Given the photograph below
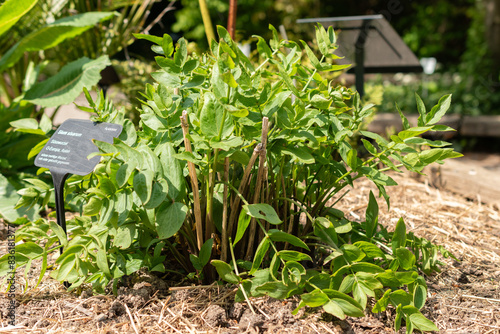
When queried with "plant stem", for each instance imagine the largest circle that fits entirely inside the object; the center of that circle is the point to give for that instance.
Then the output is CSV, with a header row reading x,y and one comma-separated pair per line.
x,y
238,274
194,181
207,22
241,189
258,184
312,75
225,239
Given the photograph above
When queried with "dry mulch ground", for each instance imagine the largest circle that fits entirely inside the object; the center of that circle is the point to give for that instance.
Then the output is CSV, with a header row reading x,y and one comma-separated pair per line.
x,y
463,298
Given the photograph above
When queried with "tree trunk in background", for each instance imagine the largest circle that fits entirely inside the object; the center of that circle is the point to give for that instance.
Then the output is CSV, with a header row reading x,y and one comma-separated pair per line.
x,y
493,38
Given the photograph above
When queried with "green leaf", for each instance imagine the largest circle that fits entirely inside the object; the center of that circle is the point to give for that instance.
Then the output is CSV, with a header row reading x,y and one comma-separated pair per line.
x,y
300,154
371,221
399,235
92,207
243,222
52,35
65,86
8,200
66,267
263,211
419,296
438,111
124,236
158,194
406,258
173,172
59,232
275,289
155,39
167,45
371,250
334,309
352,253
206,252
277,235
29,249
421,322
382,303
143,185
259,255
349,305
275,103
225,271
315,298
289,255
421,110
12,10
169,218
211,118
400,297
180,55
406,277
263,48
413,132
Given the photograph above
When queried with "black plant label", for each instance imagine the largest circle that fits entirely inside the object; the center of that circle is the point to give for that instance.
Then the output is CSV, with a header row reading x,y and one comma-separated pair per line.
x,y
68,149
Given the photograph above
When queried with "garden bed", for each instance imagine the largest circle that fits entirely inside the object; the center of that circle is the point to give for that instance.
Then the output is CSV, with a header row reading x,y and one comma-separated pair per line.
x,y
463,298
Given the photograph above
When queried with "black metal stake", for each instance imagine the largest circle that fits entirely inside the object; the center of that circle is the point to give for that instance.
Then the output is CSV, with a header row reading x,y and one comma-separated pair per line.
x,y
360,57
59,179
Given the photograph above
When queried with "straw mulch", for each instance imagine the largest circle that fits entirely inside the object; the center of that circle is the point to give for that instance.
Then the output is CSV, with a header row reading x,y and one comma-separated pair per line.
x,y
463,298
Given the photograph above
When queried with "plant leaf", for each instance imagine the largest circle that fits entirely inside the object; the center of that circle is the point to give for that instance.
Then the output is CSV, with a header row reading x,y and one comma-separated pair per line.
x,y
225,271
52,35
169,218
263,211
64,87
11,11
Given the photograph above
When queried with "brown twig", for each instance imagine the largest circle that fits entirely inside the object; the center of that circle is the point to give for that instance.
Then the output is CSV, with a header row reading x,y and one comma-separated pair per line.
x,y
258,185
194,181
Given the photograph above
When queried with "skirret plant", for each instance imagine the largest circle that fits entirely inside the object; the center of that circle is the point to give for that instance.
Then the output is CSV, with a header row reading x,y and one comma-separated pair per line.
x,y
232,168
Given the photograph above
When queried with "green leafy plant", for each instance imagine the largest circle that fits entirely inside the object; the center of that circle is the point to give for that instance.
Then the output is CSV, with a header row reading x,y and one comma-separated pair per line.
x,y
186,186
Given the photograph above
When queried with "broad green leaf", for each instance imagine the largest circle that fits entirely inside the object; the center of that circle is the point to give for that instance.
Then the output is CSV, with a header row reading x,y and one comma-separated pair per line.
x,y
66,267
382,303
167,45
413,132
173,172
8,200
158,194
27,125
320,102
143,184
400,297
299,153
169,218
399,235
406,277
263,48
334,309
406,258
277,235
123,174
349,305
52,35
92,207
371,221
263,211
406,124
212,117
275,103
65,86
206,252
289,255
275,289
154,39
59,232
124,236
419,296
421,322
225,271
243,222
12,10
359,294
315,298
259,254
352,253
29,249
370,249
438,111
180,55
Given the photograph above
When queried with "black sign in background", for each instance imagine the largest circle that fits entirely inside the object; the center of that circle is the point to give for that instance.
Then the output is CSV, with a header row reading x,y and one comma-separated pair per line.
x,y
66,153
67,150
